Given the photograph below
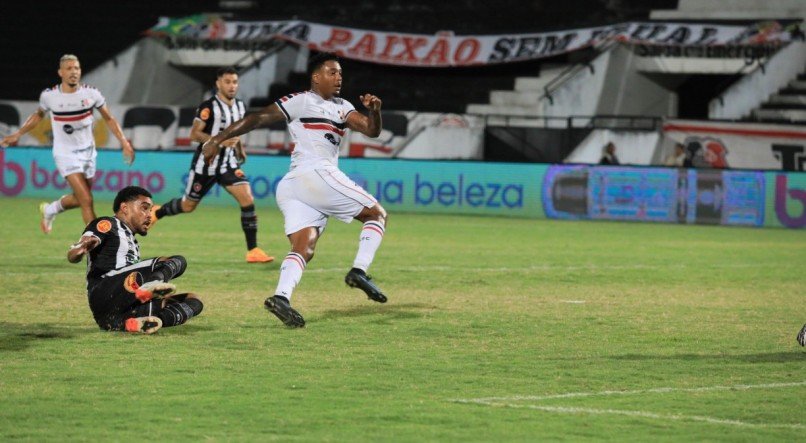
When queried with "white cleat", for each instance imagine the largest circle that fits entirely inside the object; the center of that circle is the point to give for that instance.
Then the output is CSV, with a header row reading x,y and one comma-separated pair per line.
x,y
47,221
154,289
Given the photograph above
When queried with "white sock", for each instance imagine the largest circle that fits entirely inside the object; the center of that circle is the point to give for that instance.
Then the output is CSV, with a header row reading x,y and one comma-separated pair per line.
x,y
54,207
290,274
368,243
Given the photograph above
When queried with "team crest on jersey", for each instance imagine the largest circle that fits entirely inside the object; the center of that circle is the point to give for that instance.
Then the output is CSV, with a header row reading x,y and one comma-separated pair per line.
x,y
205,113
132,282
197,187
238,173
104,226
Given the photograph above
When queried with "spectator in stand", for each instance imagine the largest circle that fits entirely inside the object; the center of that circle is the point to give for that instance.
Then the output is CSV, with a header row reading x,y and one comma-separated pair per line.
x,y
678,157
609,155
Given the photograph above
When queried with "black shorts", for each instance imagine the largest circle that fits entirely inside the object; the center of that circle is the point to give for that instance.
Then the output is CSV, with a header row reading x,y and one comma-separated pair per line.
x,y
112,299
199,184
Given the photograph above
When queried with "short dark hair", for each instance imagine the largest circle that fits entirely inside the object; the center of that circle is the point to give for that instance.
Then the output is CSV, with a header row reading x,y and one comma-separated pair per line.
x,y
316,62
225,70
127,194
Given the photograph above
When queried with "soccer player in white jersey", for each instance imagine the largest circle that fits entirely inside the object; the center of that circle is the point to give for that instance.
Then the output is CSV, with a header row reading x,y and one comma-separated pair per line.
x,y
314,188
70,104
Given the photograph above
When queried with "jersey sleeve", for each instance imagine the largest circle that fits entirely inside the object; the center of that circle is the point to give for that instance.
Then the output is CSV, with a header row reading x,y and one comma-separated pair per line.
x,y
292,105
205,112
346,109
43,102
99,228
98,98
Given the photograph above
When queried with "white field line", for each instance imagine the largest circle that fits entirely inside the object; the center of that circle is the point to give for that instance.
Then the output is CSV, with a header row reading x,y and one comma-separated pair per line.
x,y
646,414
505,402
591,267
633,392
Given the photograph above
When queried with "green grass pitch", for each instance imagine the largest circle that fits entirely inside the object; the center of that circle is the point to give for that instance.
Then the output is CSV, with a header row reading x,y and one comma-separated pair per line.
x,y
496,330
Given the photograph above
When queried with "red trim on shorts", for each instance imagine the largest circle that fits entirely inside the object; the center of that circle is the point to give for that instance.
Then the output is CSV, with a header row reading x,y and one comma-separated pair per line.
x,y
359,190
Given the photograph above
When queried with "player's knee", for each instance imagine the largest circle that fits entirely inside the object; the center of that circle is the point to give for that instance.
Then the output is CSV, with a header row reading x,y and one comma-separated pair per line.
x,y
84,200
189,206
377,214
195,304
179,264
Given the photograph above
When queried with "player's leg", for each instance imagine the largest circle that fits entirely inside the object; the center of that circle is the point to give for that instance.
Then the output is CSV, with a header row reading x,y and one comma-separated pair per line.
x,y
170,311
115,295
802,336
346,201
374,219
303,225
197,187
81,196
156,280
238,186
303,243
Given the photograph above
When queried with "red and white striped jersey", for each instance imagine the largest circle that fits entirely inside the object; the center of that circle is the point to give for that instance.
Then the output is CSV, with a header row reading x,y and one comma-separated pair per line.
x,y
71,117
317,127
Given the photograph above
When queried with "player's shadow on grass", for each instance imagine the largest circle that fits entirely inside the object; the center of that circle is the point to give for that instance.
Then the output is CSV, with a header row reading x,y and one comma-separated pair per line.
x,y
385,313
767,357
18,337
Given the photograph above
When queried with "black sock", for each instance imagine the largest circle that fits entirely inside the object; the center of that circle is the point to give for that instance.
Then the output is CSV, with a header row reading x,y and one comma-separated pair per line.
x,y
173,207
249,225
176,313
169,269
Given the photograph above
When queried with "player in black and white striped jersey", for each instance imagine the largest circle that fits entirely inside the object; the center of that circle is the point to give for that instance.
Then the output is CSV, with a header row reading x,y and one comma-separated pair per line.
x,y
126,293
212,116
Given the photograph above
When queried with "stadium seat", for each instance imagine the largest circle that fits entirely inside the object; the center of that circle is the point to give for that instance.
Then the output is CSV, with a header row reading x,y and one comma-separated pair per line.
x,y
182,139
9,119
147,127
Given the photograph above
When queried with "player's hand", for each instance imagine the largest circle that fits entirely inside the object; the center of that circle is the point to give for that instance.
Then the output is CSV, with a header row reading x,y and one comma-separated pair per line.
x,y
128,152
9,140
240,153
231,142
371,102
86,244
210,150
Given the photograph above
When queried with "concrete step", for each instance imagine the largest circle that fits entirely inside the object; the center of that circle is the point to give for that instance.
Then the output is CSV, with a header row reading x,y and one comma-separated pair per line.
x,y
784,105
798,84
547,74
788,99
502,110
530,84
790,115
515,98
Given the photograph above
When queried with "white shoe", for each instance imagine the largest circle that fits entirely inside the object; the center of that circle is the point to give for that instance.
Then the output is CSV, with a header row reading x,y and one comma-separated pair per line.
x,y
154,289
47,220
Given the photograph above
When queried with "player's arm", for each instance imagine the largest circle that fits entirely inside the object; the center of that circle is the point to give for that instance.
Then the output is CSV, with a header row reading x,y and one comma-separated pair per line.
x,y
265,117
77,250
198,135
30,123
114,126
369,125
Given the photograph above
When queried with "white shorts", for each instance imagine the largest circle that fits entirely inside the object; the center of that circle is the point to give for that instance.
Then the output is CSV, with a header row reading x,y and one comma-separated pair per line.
x,y
72,164
308,198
